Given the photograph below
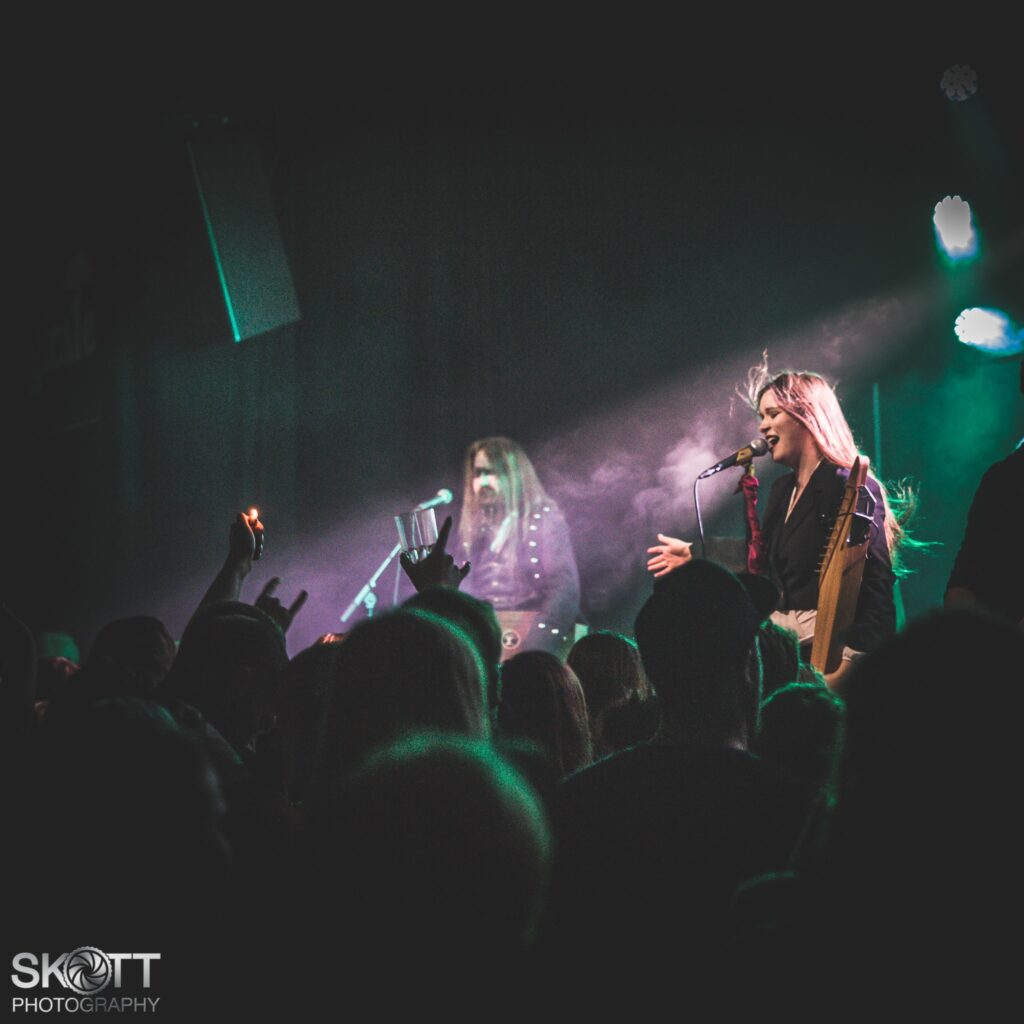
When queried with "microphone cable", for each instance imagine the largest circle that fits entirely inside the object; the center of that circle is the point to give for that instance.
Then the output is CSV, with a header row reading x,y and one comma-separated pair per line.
x,y
700,522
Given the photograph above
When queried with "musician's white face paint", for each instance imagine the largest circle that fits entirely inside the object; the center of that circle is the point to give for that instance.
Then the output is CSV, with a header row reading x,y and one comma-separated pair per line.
x,y
787,437
487,482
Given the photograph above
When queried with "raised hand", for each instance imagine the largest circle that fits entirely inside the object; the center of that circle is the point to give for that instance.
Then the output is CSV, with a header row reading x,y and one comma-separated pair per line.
x,y
245,545
669,554
438,569
272,606
257,530
245,539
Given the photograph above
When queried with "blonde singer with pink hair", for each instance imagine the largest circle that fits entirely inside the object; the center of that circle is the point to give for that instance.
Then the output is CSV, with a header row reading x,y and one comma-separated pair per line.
x,y
800,417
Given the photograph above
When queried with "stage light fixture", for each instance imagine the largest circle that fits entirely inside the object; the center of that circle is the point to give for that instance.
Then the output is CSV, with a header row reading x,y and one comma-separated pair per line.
x,y
954,229
989,330
959,82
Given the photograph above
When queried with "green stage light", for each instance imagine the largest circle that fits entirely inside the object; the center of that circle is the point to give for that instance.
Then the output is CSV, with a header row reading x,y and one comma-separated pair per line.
x,y
989,330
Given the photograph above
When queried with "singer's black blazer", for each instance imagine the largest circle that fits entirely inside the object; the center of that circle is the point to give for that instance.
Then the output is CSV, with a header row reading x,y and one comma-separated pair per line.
x,y
795,549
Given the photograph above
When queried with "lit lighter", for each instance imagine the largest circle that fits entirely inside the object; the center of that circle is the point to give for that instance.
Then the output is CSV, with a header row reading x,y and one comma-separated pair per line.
x,y
257,529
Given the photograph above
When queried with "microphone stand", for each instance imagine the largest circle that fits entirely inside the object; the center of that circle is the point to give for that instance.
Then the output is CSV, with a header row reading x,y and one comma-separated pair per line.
x,y
366,596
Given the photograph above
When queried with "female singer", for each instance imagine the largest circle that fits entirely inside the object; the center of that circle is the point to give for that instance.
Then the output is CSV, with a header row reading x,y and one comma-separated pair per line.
x,y
801,419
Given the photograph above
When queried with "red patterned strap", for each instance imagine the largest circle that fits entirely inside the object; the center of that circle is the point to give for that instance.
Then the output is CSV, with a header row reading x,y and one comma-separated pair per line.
x,y
757,556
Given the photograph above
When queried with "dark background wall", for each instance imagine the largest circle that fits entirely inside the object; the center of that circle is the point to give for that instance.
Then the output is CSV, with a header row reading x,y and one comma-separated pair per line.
x,y
587,262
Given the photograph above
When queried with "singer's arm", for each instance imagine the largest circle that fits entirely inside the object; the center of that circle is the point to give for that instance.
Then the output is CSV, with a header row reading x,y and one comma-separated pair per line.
x,y
668,554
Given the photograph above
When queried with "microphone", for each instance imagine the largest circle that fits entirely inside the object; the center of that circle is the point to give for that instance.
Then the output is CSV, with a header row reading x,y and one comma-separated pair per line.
x,y
443,497
740,457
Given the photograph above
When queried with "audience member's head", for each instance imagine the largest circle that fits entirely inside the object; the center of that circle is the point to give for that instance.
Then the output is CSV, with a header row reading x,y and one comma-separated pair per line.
x,y
56,644
228,665
478,619
780,657
437,864
407,670
542,700
695,633
763,593
129,657
801,730
305,684
53,674
610,670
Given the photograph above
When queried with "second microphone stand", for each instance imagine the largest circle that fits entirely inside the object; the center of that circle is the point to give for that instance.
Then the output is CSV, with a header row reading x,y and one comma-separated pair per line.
x,y
367,596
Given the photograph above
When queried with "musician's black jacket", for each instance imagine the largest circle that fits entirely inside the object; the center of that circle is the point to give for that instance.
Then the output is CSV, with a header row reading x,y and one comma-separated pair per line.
x,y
795,550
990,562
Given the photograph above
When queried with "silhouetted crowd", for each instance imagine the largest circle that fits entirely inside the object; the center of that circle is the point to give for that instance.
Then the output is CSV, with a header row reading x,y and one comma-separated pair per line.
x,y
686,820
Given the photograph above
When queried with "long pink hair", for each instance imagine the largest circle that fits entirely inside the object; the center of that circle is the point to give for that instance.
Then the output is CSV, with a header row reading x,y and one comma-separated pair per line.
x,y
809,398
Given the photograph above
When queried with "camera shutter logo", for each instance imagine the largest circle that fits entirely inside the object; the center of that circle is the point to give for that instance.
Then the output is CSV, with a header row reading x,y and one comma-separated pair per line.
x,y
87,970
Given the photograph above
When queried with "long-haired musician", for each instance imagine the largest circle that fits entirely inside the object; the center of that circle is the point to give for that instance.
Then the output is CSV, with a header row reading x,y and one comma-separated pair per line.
x,y
516,539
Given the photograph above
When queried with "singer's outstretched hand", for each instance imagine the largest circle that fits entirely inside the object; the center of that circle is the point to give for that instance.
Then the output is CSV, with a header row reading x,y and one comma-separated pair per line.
x,y
668,555
438,569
